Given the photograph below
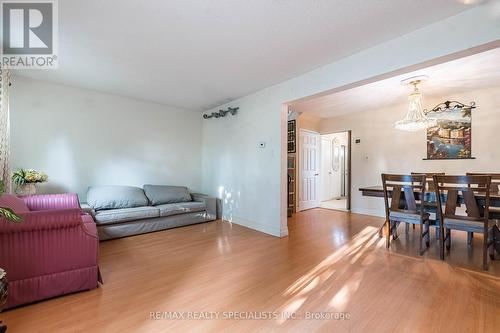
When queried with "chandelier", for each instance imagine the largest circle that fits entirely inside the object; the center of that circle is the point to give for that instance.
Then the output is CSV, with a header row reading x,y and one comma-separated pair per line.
x,y
416,118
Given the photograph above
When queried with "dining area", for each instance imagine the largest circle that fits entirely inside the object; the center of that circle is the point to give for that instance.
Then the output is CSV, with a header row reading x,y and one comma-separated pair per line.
x,y
438,208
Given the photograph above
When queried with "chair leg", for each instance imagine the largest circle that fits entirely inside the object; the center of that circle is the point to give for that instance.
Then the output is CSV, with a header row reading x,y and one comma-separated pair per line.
x,y
407,228
395,231
491,244
388,235
448,239
470,236
413,227
428,235
420,251
485,251
441,242
437,233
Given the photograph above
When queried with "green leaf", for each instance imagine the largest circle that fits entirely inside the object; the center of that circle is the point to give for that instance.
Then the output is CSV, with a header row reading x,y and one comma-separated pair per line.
x,y
10,215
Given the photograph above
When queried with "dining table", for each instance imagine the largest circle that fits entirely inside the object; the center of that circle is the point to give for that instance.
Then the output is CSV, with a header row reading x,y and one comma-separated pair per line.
x,y
430,196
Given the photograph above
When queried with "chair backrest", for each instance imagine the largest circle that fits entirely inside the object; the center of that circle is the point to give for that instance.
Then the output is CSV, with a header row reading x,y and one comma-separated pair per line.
x,y
406,185
429,179
495,180
475,191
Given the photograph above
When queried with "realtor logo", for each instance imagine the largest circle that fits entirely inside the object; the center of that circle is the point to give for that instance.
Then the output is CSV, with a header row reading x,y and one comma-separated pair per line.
x,y
29,34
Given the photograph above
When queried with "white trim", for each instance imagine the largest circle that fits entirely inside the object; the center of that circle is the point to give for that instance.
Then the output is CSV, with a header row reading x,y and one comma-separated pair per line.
x,y
308,131
298,166
267,229
284,173
370,212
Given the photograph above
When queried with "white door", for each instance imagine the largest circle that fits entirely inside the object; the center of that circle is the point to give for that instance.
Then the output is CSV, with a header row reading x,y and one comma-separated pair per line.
x,y
309,165
326,169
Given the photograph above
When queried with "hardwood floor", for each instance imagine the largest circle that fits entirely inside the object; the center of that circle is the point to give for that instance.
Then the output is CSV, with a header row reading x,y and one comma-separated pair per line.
x,y
331,262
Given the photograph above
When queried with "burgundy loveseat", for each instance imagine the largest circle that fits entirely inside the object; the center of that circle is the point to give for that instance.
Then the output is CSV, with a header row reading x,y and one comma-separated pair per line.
x,y
52,252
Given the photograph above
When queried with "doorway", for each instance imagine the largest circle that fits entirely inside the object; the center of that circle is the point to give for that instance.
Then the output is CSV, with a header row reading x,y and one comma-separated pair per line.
x,y
309,169
335,171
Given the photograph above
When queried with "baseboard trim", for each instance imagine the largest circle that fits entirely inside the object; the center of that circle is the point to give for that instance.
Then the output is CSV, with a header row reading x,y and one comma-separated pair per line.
x,y
257,226
284,232
371,212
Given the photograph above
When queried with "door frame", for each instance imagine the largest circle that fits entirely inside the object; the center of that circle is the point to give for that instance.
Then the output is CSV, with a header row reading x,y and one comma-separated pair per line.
x,y
349,168
299,169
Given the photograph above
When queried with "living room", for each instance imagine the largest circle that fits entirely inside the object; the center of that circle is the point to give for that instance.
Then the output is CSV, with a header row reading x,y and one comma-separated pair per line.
x,y
145,172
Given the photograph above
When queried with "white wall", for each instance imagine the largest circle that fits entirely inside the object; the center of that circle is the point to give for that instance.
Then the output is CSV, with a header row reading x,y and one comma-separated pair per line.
x,y
255,178
81,137
308,122
383,149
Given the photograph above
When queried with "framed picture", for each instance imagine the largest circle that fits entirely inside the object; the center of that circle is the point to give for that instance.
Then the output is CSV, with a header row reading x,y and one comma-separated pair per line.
x,y
451,138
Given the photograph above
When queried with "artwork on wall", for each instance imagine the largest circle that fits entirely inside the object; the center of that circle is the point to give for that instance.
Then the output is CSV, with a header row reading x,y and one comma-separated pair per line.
x,y
451,137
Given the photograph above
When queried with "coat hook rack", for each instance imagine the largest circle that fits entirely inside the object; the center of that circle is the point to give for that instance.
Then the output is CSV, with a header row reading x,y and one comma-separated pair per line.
x,y
221,113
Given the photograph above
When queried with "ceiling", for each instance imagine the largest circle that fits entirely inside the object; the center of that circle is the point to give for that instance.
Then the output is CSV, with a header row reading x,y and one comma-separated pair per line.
x,y
198,54
478,71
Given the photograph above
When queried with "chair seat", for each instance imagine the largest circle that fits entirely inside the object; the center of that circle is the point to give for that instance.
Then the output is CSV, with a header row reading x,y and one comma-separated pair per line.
x,y
469,226
494,213
407,217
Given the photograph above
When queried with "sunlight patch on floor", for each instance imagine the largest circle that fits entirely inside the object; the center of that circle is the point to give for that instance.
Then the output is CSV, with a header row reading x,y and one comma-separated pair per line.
x,y
368,235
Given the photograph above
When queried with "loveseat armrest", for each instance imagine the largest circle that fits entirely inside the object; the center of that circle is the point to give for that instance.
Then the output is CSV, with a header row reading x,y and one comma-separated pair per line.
x,y
86,208
210,203
44,220
52,201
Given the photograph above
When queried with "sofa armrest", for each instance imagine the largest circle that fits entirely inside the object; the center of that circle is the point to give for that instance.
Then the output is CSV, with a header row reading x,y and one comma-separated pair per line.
x,y
43,220
86,208
210,203
52,201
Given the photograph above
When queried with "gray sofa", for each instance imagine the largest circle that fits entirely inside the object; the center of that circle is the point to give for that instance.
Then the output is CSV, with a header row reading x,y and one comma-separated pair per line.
x,y
126,210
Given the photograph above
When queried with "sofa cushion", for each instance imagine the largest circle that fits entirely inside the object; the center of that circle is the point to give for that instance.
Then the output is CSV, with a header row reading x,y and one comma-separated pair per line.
x,y
181,208
113,197
163,194
125,214
14,203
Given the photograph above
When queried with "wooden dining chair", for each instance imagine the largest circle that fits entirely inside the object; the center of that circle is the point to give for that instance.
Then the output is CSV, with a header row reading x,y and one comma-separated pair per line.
x,y
430,206
475,193
494,190
403,207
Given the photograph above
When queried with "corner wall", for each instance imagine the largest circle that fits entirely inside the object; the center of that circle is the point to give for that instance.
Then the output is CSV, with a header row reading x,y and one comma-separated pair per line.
x,y
251,180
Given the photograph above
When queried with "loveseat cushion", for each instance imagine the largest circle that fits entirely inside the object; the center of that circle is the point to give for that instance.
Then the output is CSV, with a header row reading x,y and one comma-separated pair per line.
x,y
112,216
163,194
16,204
113,197
181,208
